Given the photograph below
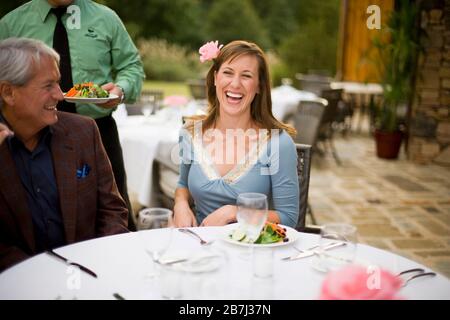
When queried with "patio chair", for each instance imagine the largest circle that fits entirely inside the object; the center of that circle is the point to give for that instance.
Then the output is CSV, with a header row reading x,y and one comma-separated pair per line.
x,y
327,124
306,120
313,82
147,96
197,89
304,154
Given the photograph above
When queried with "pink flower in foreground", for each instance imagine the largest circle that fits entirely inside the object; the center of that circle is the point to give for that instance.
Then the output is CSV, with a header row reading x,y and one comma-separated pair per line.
x,y
209,51
360,283
175,101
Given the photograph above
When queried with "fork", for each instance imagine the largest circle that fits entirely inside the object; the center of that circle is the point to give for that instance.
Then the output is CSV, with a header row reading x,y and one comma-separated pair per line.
x,y
419,273
192,233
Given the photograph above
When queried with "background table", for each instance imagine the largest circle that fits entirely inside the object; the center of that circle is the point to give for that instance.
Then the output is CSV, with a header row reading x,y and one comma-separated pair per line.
x,y
121,265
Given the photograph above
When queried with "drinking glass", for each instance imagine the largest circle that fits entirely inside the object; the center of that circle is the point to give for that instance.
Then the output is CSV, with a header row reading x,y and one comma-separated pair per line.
x,y
340,256
149,106
157,240
251,214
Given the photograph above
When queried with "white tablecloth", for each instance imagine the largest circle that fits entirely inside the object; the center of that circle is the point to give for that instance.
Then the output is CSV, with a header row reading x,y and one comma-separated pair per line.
x,y
121,265
140,138
285,100
358,87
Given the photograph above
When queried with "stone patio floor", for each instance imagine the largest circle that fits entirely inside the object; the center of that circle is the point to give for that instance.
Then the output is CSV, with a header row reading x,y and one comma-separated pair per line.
x,y
396,205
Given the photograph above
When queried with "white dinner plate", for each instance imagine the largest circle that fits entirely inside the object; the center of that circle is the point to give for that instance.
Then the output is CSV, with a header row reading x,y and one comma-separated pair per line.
x,y
90,100
291,234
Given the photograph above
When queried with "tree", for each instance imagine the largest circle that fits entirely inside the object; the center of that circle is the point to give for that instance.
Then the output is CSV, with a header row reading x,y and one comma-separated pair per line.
x,y
230,20
314,44
277,17
176,21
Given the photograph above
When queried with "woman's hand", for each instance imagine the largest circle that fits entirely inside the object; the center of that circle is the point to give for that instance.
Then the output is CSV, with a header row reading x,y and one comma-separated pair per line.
x,y
183,216
222,216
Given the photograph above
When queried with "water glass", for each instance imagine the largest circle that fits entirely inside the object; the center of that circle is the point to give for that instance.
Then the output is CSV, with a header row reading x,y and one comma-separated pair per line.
x,y
251,213
158,240
262,263
149,106
336,258
155,218
171,281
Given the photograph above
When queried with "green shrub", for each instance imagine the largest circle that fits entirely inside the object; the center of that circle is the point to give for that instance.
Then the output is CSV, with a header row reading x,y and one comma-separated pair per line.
x,y
278,69
169,62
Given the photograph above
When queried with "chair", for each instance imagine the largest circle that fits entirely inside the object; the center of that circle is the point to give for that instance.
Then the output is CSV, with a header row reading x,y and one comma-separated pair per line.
x,y
304,153
153,97
307,120
165,174
313,82
197,89
326,128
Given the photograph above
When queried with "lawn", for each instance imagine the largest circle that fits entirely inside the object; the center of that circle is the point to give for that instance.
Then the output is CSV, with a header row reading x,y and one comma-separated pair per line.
x,y
169,88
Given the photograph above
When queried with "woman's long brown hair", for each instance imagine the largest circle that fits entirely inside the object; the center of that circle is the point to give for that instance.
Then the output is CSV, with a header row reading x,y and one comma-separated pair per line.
x,y
261,107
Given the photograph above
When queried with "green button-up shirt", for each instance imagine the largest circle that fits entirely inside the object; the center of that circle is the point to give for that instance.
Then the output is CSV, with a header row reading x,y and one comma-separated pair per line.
x,y
101,49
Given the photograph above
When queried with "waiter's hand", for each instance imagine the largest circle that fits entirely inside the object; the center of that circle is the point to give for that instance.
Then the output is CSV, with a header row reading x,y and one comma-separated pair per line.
x,y
112,89
4,132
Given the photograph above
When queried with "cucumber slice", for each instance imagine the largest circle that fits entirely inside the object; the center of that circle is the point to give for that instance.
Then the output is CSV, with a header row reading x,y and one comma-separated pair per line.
x,y
238,235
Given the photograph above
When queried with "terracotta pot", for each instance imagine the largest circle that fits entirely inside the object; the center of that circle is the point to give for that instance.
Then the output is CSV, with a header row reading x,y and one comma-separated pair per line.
x,y
388,144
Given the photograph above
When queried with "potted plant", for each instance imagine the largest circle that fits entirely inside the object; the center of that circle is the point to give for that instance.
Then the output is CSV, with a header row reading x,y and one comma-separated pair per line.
x,y
396,58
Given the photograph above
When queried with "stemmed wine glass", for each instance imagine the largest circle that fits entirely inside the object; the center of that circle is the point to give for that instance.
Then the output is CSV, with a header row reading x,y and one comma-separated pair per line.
x,y
157,240
251,216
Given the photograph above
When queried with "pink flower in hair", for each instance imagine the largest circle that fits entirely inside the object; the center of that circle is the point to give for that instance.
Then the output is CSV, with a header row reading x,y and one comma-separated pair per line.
x,y
209,51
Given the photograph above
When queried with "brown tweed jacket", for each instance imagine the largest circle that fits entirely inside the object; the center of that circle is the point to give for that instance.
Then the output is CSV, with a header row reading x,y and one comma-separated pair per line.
x,y
90,206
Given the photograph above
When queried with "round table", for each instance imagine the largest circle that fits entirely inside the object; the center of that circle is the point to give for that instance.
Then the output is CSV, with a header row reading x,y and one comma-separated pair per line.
x,y
122,264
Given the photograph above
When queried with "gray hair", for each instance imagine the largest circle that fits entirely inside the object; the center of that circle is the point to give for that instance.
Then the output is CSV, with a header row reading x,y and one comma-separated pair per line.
x,y
20,58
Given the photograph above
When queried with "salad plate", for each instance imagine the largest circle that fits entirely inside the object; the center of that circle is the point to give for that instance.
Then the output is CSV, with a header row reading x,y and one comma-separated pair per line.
x,y
228,231
90,100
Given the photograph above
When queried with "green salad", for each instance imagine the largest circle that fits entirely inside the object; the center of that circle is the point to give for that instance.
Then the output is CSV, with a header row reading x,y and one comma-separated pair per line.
x,y
87,90
271,233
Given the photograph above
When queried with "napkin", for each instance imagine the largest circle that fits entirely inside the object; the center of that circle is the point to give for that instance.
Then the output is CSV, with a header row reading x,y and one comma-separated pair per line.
x,y
355,282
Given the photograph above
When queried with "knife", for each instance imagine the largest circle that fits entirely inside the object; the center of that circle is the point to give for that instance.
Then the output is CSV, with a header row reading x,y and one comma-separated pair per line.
x,y
310,253
67,261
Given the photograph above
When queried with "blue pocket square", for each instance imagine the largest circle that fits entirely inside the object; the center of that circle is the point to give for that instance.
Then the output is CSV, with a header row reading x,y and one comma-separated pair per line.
x,y
83,172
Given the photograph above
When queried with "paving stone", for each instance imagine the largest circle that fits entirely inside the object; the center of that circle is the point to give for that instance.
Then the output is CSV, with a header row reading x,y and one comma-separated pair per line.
x,y
416,244
378,230
380,244
431,209
386,213
343,201
419,202
404,183
364,210
408,229
433,253
434,227
442,266
444,218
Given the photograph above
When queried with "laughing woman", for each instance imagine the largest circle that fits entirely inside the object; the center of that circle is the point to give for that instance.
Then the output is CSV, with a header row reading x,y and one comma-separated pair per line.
x,y
238,146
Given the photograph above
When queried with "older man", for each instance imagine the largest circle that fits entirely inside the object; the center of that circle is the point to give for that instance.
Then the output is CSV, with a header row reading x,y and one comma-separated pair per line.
x,y
56,182
94,46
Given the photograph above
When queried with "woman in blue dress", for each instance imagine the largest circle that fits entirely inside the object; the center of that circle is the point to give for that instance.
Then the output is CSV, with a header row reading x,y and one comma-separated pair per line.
x,y
238,146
